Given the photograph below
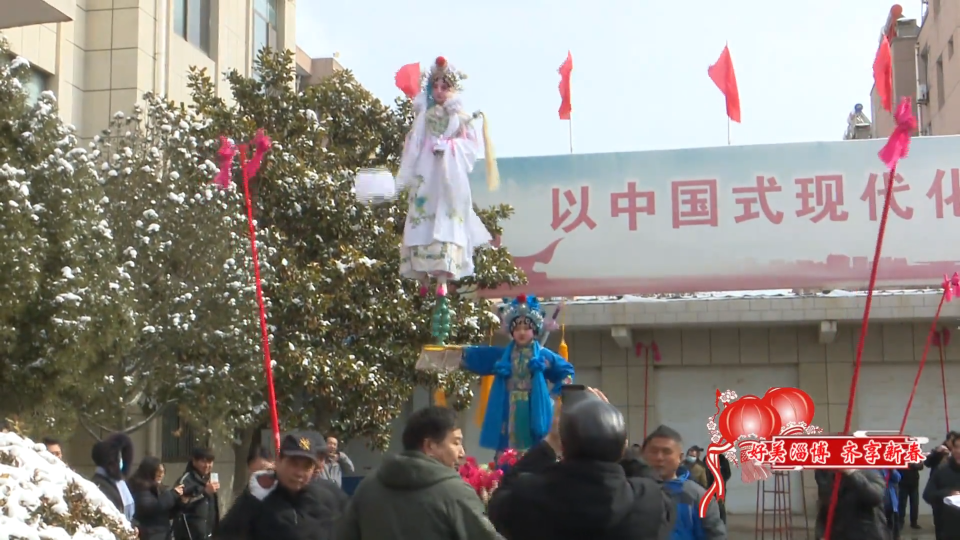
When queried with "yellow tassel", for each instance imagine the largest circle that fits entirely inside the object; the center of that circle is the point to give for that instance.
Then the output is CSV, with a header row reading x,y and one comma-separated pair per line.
x,y
439,398
486,383
490,156
563,350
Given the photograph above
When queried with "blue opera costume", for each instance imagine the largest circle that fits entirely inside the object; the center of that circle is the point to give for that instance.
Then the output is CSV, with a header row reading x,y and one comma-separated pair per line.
x,y
520,405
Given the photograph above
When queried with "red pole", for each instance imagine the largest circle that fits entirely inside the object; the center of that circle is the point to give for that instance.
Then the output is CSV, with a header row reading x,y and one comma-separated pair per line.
x,y
264,331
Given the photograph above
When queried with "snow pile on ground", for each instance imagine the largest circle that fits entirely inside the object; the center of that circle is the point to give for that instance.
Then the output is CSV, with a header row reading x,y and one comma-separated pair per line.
x,y
42,499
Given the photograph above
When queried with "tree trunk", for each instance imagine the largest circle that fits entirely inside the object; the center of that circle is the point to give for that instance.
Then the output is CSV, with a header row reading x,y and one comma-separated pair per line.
x,y
241,451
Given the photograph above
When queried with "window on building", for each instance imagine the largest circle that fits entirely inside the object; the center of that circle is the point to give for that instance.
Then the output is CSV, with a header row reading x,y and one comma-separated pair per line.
x,y
179,438
940,92
37,81
192,20
264,25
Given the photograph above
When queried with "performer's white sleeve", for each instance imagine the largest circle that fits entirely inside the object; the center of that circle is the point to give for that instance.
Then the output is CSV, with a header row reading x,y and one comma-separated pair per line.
x,y
420,103
453,108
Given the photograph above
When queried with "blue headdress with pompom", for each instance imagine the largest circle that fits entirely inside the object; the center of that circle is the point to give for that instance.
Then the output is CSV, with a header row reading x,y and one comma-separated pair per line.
x,y
523,308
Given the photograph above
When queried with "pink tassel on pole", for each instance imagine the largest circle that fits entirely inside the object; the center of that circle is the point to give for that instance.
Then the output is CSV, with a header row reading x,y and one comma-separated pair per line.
x,y
898,145
656,351
261,145
226,155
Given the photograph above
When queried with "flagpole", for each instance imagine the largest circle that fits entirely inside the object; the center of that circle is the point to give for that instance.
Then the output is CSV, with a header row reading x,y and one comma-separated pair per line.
x,y
570,132
728,131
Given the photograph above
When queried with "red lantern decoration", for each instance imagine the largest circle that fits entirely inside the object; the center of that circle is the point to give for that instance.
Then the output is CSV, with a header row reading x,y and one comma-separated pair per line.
x,y
748,415
793,405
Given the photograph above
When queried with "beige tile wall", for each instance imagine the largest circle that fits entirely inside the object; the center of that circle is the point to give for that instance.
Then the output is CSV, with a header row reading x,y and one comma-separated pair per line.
x,y
106,59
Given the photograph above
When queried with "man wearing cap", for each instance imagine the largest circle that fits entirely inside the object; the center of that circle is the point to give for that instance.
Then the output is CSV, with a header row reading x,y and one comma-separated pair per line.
x,y
286,503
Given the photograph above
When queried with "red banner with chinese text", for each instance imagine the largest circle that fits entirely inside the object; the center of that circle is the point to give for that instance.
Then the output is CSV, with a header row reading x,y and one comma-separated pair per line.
x,y
838,452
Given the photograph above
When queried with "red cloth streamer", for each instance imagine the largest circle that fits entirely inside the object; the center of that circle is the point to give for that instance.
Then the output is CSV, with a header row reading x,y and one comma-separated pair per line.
x,y
944,337
408,80
895,149
225,156
883,74
249,171
566,107
718,488
725,77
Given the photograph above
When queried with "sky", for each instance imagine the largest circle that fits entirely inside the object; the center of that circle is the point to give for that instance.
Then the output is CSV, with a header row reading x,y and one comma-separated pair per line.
x,y
640,68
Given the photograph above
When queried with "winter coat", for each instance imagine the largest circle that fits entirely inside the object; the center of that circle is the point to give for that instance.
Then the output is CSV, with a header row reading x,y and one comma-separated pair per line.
x,y
724,471
859,514
276,513
910,477
686,495
109,488
891,499
197,518
332,470
154,506
944,480
541,499
697,472
415,497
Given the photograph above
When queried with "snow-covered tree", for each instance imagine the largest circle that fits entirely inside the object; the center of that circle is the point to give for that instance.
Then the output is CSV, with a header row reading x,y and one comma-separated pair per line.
x,y
183,296
54,240
346,329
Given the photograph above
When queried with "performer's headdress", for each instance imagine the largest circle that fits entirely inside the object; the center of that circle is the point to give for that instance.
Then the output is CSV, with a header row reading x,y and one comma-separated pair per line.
x,y
522,309
442,71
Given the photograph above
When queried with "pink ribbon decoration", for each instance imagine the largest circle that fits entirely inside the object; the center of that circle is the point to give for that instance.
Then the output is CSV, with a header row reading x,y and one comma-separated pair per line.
x,y
951,287
898,145
718,488
226,155
261,145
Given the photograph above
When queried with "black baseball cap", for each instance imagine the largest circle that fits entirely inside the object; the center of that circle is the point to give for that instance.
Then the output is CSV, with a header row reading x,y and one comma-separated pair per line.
x,y
306,445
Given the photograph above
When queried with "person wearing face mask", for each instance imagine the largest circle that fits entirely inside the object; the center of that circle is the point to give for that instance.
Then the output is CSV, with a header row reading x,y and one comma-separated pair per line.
x,y
696,468
286,503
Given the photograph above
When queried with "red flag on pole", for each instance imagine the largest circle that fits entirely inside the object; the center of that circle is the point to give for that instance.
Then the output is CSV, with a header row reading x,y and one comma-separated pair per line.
x,y
723,75
408,80
565,70
883,75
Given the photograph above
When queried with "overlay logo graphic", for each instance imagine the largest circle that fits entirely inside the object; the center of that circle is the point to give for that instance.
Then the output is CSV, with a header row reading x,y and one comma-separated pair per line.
x,y
774,433
746,423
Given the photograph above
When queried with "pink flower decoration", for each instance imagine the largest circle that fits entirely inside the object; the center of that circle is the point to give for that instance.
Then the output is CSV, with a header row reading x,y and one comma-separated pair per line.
x,y
898,145
261,145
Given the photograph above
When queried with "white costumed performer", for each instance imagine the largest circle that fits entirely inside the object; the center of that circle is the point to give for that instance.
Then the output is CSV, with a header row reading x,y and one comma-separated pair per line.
x,y
442,229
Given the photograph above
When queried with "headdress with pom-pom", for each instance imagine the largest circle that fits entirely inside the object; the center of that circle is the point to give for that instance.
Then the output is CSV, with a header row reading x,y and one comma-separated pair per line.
x,y
523,308
441,70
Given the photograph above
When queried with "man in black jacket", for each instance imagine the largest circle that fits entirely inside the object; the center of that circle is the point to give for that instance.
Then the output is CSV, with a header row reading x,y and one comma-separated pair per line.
x,y
859,512
287,503
587,494
909,489
198,511
933,461
945,482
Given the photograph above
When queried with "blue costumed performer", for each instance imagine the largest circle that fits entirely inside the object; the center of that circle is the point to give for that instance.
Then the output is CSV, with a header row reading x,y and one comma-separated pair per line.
x,y
520,406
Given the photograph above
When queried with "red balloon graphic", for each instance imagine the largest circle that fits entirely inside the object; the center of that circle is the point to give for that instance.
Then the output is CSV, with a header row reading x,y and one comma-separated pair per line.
x,y
793,404
748,415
